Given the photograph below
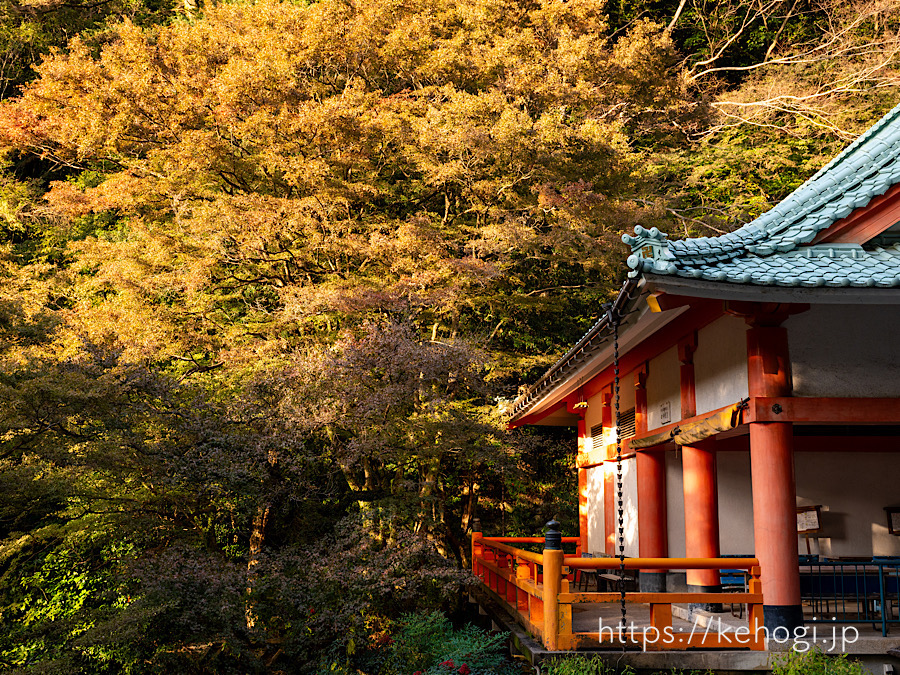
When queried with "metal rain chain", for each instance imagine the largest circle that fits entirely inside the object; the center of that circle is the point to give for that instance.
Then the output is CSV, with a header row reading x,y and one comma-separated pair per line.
x,y
613,318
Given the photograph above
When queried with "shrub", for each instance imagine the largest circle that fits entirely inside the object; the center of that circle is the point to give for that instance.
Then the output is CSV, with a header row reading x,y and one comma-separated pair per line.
x,y
428,644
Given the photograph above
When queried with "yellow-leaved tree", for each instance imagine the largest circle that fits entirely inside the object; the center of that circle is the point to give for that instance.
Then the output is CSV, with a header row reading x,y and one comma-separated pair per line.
x,y
291,254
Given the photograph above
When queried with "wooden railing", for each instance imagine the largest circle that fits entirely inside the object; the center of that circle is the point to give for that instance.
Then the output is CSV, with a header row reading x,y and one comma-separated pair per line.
x,y
536,589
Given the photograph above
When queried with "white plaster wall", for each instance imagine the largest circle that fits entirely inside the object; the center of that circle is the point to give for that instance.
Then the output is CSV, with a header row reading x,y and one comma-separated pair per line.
x,y
629,489
596,527
845,350
664,386
853,488
626,393
720,364
675,504
735,503
596,523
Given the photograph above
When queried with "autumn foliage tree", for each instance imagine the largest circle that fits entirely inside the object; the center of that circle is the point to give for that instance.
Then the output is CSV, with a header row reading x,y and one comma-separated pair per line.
x,y
274,236
276,166
268,266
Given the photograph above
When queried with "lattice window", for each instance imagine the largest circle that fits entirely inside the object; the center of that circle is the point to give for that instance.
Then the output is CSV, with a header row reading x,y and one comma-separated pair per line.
x,y
601,438
626,422
597,437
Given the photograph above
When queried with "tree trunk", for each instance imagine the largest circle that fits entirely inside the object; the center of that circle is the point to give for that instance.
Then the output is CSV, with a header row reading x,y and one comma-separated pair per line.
x,y
471,506
257,539
427,512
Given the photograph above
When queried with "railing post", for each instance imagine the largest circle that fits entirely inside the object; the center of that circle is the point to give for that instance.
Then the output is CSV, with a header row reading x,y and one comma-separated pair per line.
x,y
553,564
881,593
660,619
523,571
476,545
755,612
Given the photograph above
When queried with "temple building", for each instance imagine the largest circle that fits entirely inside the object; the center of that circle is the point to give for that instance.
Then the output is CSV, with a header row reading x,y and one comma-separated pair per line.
x,y
758,397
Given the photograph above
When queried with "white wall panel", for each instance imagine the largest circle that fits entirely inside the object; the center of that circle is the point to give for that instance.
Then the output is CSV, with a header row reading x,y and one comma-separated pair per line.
x,y
843,350
720,364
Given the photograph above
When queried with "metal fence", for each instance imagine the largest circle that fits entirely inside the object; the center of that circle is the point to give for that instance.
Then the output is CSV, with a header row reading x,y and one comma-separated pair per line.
x,y
852,592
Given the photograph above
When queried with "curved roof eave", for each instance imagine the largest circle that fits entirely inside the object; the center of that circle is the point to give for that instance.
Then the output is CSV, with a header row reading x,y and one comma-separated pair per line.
x,y
570,363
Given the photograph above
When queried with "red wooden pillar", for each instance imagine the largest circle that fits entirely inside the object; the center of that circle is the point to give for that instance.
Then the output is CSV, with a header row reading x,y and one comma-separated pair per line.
x,y
651,494
772,473
701,498
701,511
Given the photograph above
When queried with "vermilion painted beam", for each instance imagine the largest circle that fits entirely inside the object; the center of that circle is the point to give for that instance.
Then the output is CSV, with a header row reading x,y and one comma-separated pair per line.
x,y
607,455
818,443
809,410
866,222
740,443
802,410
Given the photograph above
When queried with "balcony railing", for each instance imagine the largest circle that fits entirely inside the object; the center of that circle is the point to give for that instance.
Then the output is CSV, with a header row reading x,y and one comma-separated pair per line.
x,y
852,592
535,587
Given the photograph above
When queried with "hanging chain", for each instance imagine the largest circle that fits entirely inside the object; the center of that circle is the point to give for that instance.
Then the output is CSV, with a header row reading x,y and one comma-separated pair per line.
x,y
619,491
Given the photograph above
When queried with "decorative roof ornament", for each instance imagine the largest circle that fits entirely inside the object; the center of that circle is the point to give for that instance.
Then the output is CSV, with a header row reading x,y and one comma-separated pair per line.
x,y
649,252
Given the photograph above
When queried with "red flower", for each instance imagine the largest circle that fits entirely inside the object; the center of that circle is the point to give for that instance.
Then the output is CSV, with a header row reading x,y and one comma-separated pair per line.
x,y
418,672
448,662
464,670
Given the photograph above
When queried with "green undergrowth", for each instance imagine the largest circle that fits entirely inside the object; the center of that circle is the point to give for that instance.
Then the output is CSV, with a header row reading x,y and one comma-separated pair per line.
x,y
813,662
595,665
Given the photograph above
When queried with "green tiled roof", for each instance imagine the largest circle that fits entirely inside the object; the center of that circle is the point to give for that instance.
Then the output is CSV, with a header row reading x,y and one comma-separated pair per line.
x,y
830,265
774,250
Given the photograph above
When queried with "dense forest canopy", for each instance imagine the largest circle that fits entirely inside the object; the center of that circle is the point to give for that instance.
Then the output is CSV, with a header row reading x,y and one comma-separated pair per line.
x,y
269,267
